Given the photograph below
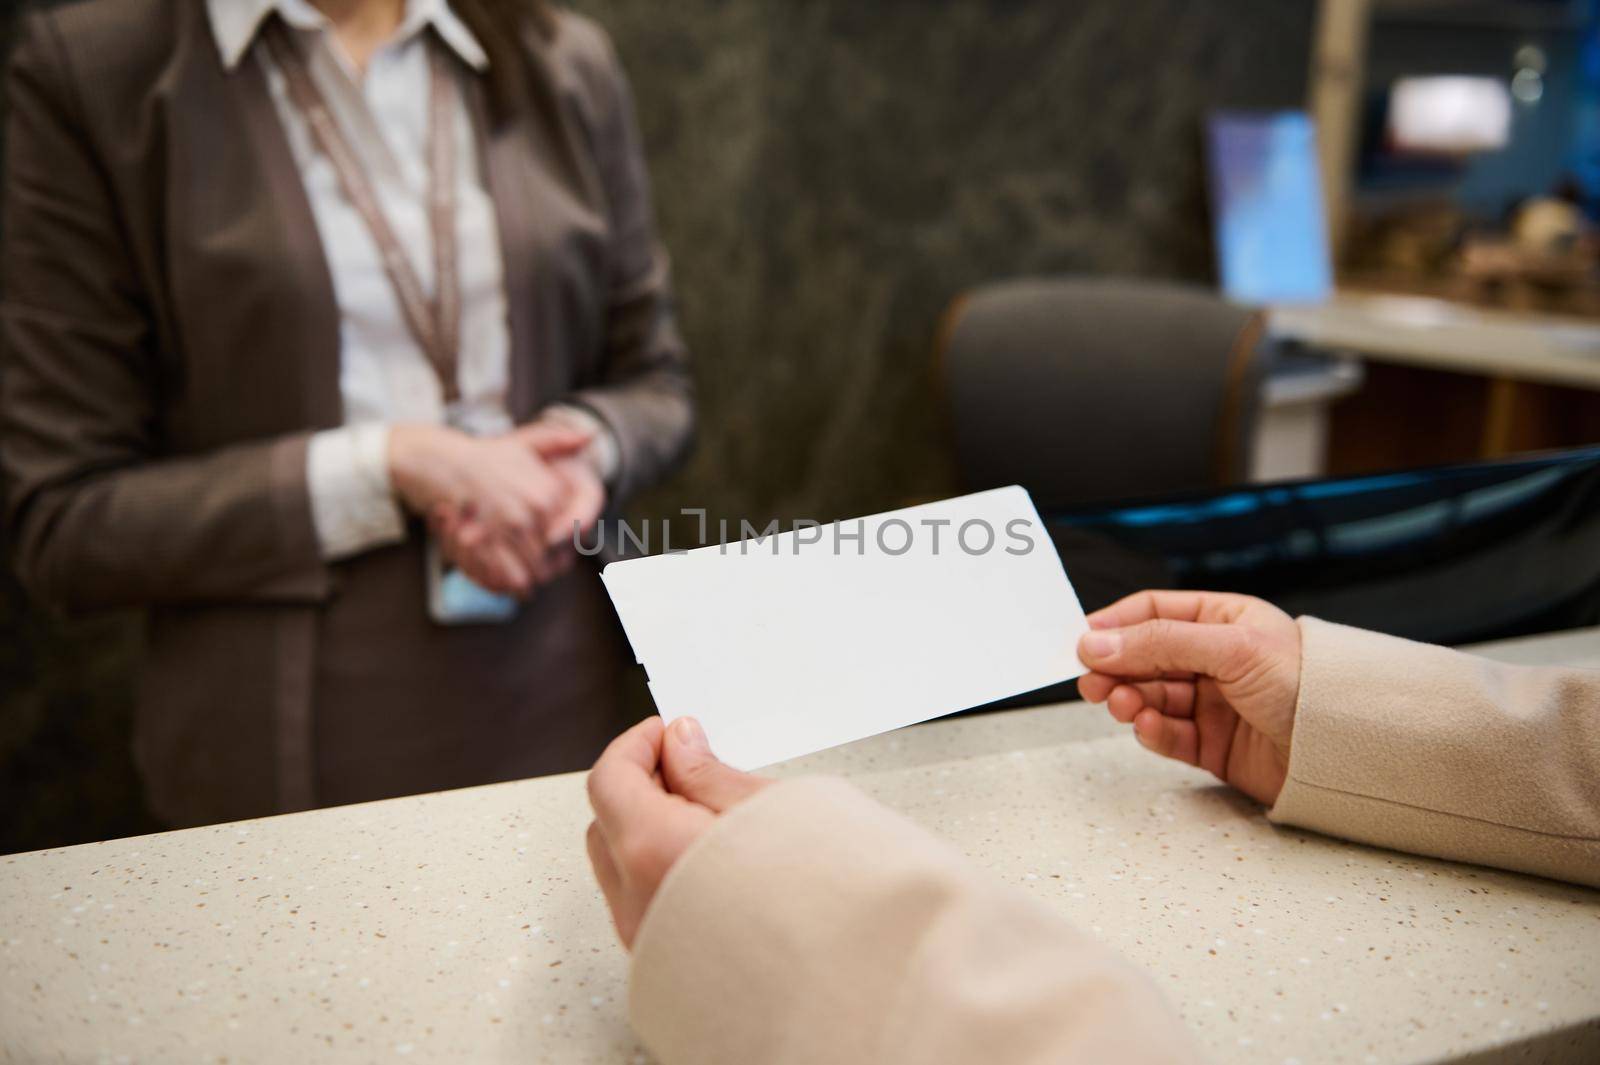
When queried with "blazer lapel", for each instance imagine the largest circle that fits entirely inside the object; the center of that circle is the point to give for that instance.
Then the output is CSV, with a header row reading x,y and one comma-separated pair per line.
x,y
546,191
253,333
505,162
294,227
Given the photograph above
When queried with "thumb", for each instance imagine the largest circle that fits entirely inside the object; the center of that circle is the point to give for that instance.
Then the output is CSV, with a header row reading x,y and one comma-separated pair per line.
x,y
553,438
1155,648
692,771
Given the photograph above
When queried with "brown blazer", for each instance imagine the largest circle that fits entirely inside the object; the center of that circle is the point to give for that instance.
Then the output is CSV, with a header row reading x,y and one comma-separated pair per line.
x,y
170,342
811,924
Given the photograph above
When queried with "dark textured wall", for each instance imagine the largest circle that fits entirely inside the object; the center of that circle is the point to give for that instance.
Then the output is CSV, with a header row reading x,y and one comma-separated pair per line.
x,y
829,174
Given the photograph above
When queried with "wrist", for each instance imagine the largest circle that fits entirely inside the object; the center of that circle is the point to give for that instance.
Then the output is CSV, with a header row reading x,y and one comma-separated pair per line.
x,y
601,454
410,456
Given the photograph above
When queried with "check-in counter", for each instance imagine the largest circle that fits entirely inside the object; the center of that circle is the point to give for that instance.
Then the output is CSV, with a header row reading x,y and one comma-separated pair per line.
x,y
465,926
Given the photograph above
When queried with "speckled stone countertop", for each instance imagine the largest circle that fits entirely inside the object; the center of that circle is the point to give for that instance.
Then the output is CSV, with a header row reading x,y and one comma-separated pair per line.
x,y
465,927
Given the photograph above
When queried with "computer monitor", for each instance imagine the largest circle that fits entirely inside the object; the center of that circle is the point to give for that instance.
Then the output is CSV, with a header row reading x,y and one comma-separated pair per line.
x,y
1267,208
1450,555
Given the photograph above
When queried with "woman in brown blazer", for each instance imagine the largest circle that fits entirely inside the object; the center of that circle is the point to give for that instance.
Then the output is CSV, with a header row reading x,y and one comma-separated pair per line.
x,y
285,280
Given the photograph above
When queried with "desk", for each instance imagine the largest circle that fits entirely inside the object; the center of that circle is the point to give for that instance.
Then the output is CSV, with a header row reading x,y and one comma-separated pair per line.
x,y
464,926
1449,382
1440,335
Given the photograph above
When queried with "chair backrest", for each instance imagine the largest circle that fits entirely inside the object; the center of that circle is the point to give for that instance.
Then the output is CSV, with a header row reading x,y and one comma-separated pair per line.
x,y
1084,390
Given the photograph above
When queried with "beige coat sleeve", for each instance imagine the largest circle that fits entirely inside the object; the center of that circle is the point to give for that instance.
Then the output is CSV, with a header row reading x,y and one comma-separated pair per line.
x,y
813,925
1429,750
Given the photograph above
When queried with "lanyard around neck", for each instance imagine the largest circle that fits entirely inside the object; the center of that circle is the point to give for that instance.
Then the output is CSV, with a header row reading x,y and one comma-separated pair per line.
x,y
435,324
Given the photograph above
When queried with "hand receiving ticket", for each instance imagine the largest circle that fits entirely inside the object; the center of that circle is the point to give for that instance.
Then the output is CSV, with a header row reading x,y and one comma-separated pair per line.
x,y
803,640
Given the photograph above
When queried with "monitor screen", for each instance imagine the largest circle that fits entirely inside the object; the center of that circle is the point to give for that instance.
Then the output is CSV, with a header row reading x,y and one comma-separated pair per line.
x,y
1267,208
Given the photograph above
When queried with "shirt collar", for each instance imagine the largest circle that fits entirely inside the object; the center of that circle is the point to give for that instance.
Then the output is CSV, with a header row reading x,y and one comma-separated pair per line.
x,y
235,23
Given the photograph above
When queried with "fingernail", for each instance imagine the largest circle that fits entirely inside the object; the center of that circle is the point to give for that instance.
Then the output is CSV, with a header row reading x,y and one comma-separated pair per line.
x,y
690,734
1102,644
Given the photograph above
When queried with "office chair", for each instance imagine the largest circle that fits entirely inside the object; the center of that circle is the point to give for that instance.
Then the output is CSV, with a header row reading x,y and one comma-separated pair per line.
x,y
1083,390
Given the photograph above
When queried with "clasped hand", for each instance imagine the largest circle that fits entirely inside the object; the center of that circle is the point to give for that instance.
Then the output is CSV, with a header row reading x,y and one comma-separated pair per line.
x,y
504,509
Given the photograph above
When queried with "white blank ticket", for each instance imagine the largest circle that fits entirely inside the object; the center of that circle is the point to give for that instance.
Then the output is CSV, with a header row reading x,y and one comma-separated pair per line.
x,y
793,642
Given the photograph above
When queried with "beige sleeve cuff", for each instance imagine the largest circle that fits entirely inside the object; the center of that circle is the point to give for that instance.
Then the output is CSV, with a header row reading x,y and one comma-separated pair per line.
x,y
1424,749
813,925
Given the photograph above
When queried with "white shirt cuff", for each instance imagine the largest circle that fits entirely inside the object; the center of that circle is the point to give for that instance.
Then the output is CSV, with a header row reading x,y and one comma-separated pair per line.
x,y
353,507
603,449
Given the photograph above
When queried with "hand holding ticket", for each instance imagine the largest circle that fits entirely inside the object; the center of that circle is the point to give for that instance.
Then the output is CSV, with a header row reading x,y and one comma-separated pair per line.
x,y
803,640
